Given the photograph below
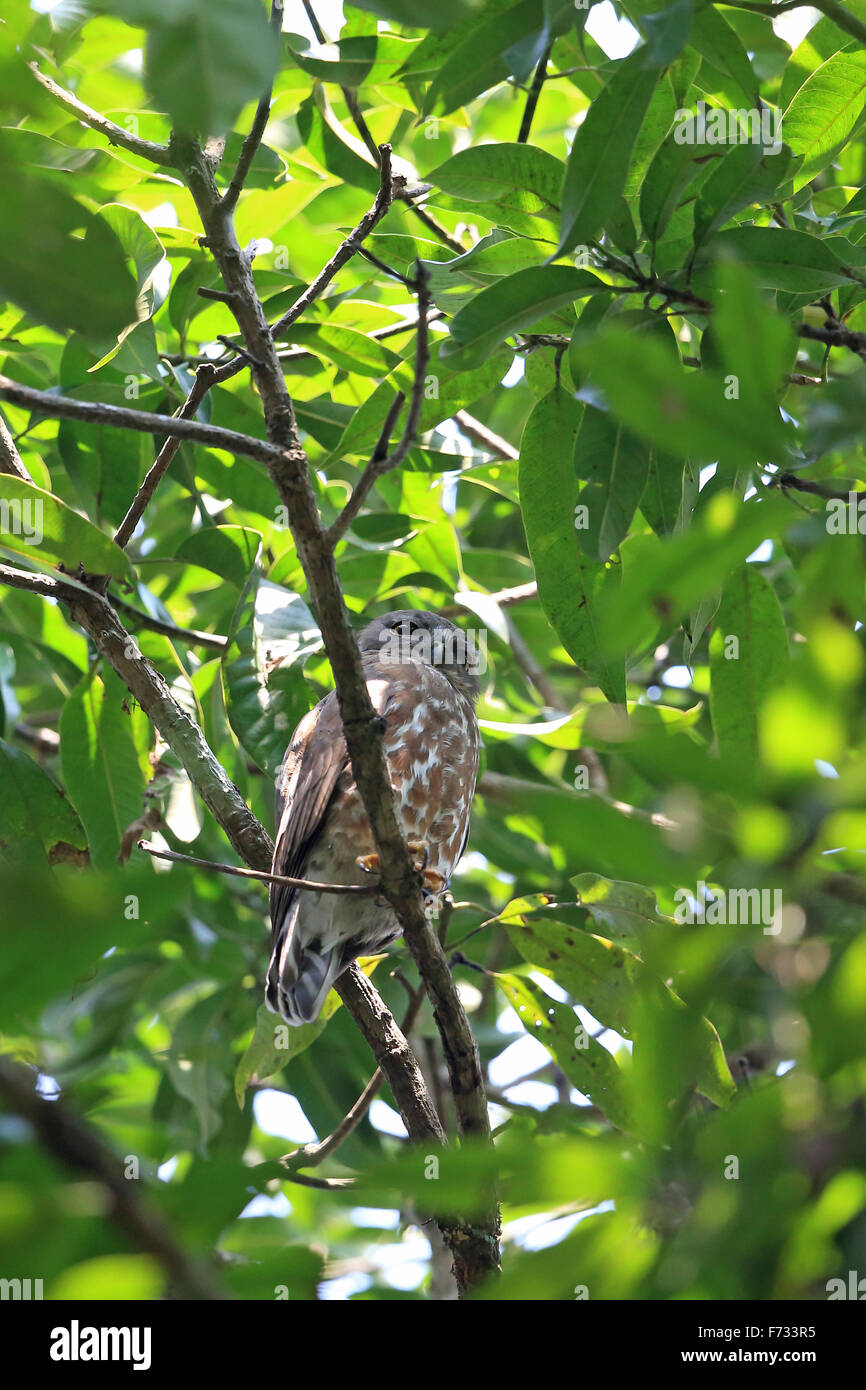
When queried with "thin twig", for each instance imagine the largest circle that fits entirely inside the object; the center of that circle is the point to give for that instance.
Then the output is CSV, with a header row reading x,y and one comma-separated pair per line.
x,y
251,144
839,15
379,465
480,434
346,250
534,94
791,481
305,884
204,379
214,640
115,134
311,1155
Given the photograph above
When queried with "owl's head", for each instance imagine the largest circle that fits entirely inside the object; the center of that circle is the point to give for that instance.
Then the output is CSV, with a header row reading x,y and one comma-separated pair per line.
x,y
416,635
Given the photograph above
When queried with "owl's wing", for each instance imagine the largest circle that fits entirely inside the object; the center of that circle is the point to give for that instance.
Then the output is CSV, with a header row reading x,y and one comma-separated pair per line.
x,y
314,761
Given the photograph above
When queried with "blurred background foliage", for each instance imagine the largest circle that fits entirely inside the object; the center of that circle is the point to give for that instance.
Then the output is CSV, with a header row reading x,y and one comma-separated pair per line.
x,y
679,1106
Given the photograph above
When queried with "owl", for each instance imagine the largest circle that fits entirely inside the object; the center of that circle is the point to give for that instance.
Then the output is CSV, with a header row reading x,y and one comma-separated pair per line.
x,y
422,676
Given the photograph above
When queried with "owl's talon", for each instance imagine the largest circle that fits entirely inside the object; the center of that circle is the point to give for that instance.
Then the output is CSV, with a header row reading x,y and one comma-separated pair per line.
x,y
420,851
434,883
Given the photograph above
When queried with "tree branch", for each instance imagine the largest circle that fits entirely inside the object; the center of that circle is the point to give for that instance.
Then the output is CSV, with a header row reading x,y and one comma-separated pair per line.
x,y
306,884
839,15
95,614
214,640
10,459
834,335
534,94
311,1155
204,379
173,426
347,249
363,729
480,434
115,134
78,1147
382,462
251,144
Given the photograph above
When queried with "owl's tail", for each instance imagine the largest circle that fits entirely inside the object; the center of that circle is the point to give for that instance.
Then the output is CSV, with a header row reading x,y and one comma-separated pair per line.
x,y
299,976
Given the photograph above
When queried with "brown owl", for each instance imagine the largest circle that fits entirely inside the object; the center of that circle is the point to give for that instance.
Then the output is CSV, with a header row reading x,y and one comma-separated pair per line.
x,y
422,677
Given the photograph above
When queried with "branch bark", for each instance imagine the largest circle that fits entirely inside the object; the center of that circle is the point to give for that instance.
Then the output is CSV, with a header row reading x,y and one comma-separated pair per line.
x,y
251,144
10,459
382,462
363,729
114,134
204,379
172,426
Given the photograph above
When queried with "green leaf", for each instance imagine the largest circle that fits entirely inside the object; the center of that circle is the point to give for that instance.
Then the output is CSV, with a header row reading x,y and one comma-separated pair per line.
x,y
350,65
690,414
667,32
519,177
824,112
662,497
510,305
622,910
274,1044
104,463
328,147
673,574
748,658
586,1062
782,259
599,159
613,984
451,389
37,823
481,58
100,763
569,585
145,250
745,175
205,59
40,525
615,464
673,167
599,974
229,551
719,45
72,283
272,632
417,14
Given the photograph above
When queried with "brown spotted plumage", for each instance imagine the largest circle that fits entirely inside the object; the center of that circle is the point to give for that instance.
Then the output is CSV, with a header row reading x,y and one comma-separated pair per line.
x,y
421,676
